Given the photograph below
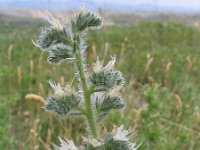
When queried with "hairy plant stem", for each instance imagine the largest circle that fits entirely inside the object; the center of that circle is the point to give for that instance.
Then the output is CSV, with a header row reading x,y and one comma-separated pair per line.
x,y
86,93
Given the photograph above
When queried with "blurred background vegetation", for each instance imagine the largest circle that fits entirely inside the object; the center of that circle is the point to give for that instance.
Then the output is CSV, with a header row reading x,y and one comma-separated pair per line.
x,y
159,59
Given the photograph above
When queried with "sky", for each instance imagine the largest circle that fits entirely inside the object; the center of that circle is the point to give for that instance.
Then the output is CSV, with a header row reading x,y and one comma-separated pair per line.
x,y
181,4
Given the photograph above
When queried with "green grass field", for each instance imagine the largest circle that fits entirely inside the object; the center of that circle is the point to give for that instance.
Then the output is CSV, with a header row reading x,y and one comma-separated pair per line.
x,y
159,60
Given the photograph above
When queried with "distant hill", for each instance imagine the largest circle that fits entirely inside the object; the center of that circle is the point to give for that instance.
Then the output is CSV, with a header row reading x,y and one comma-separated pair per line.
x,y
92,4
112,16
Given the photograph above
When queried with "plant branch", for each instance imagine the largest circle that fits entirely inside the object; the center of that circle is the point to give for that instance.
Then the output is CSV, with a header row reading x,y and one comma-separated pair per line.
x,y
86,93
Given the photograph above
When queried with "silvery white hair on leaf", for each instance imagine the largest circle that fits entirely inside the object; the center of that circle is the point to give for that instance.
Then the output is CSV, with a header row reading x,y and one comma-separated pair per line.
x,y
65,145
62,90
111,64
58,90
105,102
59,53
118,139
62,107
63,102
106,78
98,65
48,37
120,134
85,20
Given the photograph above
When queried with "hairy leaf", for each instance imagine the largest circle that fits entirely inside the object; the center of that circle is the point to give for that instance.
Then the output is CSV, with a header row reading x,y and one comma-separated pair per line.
x,y
61,106
86,20
50,36
118,145
107,79
118,139
58,53
65,145
106,102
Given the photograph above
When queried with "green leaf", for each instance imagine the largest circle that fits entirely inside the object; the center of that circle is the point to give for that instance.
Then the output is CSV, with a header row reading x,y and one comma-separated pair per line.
x,y
50,36
118,145
107,79
106,102
86,20
59,52
62,106
118,139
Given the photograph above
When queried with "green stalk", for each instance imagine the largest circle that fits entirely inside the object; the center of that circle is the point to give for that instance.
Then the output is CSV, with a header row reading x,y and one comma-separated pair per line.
x,y
87,94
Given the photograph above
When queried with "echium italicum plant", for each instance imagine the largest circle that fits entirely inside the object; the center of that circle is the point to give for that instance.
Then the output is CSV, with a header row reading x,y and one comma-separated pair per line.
x,y
98,91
